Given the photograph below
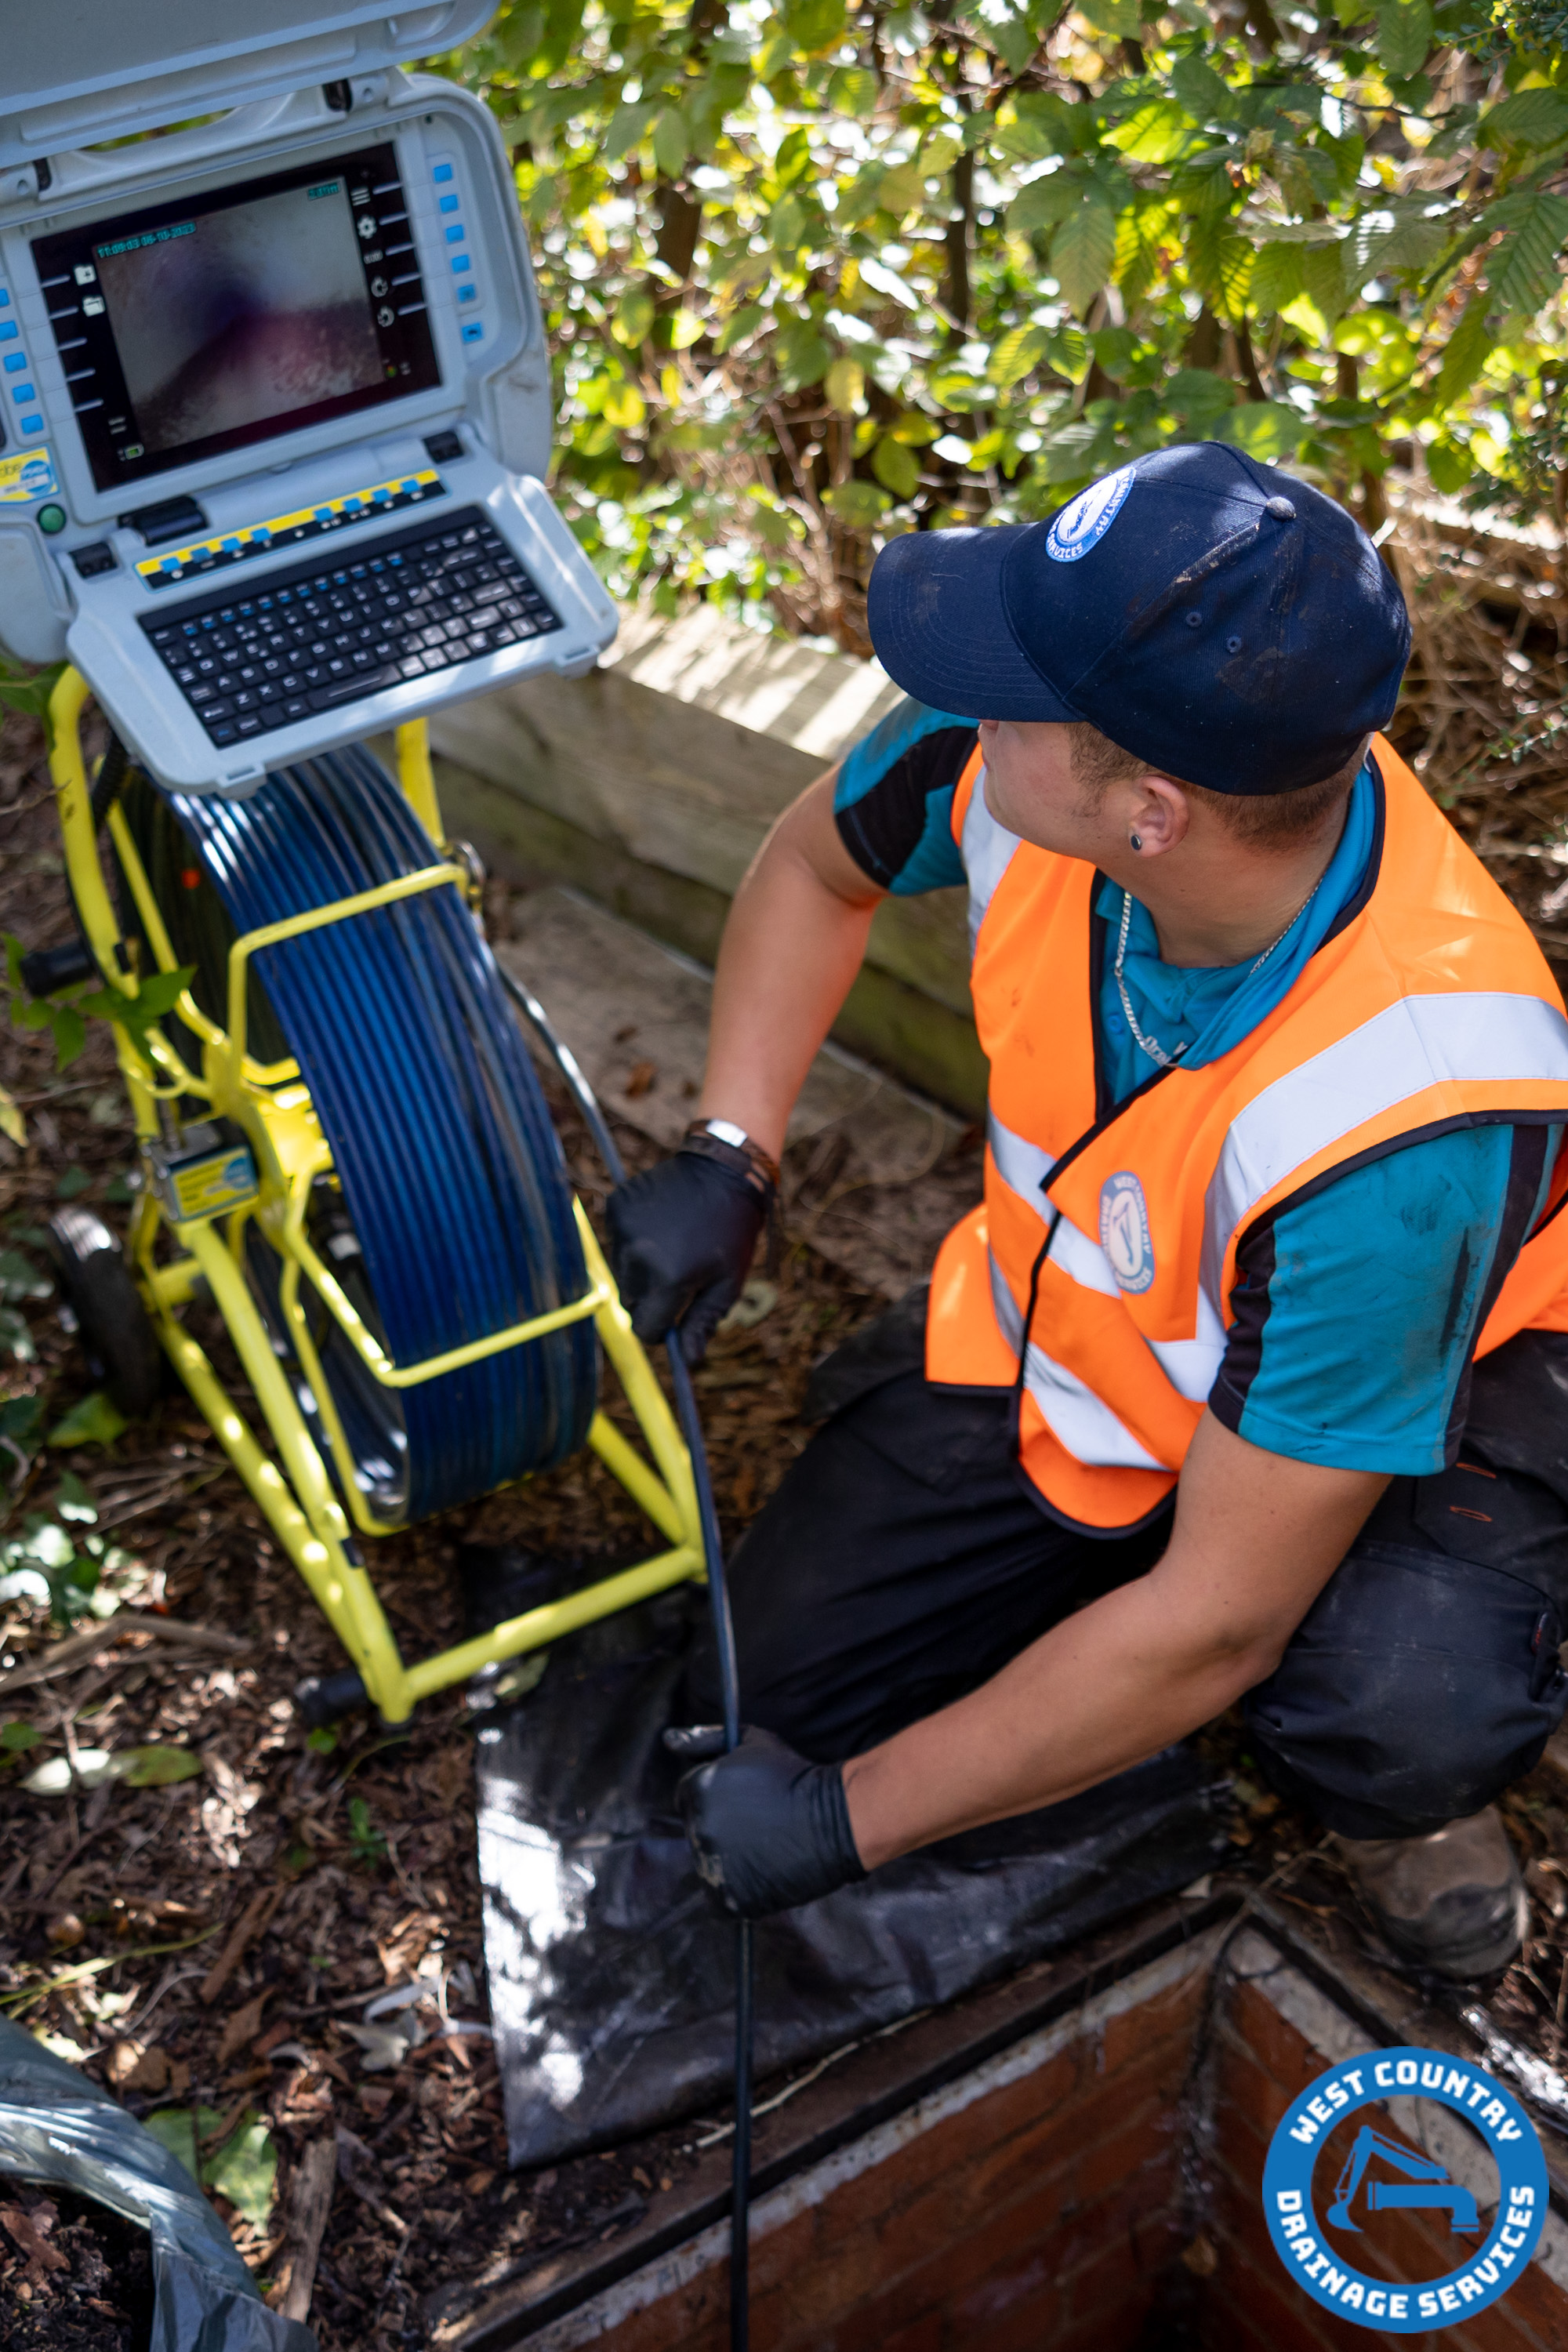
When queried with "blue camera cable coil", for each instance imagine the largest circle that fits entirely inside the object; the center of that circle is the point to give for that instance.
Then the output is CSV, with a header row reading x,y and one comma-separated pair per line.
x,y
454,1217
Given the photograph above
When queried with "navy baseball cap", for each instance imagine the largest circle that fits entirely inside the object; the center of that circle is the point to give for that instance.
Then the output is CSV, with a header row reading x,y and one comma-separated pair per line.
x,y
1221,620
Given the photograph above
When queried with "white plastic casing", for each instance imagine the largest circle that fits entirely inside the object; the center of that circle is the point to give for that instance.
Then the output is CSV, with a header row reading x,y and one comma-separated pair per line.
x,y
494,388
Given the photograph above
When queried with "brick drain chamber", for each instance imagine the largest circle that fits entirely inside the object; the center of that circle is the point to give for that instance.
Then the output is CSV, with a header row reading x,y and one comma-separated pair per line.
x,y
1071,2159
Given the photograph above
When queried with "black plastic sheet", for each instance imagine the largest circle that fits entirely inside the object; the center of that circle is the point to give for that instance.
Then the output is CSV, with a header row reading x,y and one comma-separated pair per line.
x,y
58,2129
610,1973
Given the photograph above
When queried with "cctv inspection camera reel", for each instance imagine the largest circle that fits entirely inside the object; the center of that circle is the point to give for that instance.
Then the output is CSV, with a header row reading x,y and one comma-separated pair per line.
x,y
275,412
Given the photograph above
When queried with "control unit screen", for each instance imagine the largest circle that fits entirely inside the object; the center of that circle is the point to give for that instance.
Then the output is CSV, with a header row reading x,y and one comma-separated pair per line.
x,y
188,329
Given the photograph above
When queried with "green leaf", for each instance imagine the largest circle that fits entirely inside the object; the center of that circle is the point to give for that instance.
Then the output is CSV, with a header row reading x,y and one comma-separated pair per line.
x,y
1523,272
94,1422
1404,38
897,468
1042,203
70,1034
16,1738
1082,251
633,321
1123,19
73,1500
814,25
861,505
12,1122
20,1418
15,1336
1034,123
245,2170
854,89
686,328
846,386
1201,89
176,2129
1015,356
1265,429
736,329
20,1278
73,1183
671,142
803,357
627,125
1199,398
1156,133
1278,278
155,1768
1530,118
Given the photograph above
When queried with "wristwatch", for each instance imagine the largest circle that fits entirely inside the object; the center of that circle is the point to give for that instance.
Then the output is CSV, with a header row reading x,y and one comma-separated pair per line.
x,y
721,1138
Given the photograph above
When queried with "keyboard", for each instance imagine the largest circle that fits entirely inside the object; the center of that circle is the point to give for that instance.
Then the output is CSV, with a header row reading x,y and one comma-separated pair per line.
x,y
420,601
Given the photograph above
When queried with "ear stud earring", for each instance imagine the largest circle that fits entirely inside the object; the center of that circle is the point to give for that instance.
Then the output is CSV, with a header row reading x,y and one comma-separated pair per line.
x,y
1135,840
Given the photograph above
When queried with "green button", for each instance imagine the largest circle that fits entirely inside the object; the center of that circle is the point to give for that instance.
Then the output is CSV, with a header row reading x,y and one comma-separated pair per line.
x,y
51,519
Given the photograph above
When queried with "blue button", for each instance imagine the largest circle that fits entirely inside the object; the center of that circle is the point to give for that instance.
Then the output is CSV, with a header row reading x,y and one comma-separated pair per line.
x,y
8,331
323,514
467,293
448,203
15,362
457,234
461,261
473,331
4,298
442,173
23,392
32,424
230,546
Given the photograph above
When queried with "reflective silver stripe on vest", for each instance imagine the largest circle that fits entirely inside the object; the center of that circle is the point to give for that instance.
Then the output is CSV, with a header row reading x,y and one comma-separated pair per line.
x,y
1024,1168
987,849
1088,1429
1420,1041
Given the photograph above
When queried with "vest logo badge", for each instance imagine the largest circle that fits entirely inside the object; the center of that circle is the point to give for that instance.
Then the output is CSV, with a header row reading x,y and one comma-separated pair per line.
x,y
1124,1231
1084,520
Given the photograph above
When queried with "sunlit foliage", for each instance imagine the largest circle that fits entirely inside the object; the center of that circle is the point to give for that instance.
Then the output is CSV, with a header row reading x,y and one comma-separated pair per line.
x,y
815,275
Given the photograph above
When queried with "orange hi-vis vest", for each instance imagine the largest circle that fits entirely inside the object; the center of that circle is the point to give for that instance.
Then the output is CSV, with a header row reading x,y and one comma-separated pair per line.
x,y
1104,1249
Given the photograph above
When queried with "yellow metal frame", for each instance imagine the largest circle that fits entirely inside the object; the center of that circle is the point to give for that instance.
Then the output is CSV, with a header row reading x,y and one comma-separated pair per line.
x,y
268,1101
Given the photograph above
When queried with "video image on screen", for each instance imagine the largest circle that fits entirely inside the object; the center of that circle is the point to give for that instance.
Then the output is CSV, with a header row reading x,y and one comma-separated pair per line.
x,y
242,314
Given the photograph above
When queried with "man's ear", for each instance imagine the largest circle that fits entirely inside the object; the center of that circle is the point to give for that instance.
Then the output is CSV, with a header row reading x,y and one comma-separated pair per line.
x,y
1159,815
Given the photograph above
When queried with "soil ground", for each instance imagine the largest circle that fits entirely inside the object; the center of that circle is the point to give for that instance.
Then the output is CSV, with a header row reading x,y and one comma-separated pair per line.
x,y
211,1943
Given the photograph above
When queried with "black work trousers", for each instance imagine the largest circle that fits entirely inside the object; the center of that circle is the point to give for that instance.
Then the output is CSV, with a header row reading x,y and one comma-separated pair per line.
x,y
905,1558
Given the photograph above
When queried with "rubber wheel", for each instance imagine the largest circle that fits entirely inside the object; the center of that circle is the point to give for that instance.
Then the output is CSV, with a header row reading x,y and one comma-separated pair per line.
x,y
115,1329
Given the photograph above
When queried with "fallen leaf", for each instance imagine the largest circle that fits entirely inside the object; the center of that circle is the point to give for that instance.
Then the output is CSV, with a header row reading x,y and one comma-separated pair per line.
x,y
41,2256
55,1777
155,1768
245,2170
477,2183
643,1079
94,1422
385,2046
241,2026
175,2128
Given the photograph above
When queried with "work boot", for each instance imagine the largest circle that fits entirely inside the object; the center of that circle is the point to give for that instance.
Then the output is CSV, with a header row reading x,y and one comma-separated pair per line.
x,y
1452,1902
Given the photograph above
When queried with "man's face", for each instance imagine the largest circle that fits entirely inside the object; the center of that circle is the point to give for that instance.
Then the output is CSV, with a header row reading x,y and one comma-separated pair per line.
x,y
1031,789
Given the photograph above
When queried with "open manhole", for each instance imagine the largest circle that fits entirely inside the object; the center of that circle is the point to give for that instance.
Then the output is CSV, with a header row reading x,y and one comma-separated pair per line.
x,y
1072,2160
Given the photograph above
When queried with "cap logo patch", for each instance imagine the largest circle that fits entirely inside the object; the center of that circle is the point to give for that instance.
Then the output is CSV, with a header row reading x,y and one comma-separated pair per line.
x,y
1085,521
1124,1231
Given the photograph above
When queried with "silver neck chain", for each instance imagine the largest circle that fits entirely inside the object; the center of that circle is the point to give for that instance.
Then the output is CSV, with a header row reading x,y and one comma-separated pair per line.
x,y
1151,1046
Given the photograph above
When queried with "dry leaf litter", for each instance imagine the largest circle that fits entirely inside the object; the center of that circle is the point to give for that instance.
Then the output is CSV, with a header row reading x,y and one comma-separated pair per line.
x,y
263,1941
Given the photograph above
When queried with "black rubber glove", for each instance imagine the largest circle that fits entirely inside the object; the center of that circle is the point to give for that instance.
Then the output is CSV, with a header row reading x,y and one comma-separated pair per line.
x,y
768,1829
681,1240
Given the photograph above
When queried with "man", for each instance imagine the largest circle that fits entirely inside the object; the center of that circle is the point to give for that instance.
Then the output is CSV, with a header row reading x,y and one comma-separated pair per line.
x,y
1246,1382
